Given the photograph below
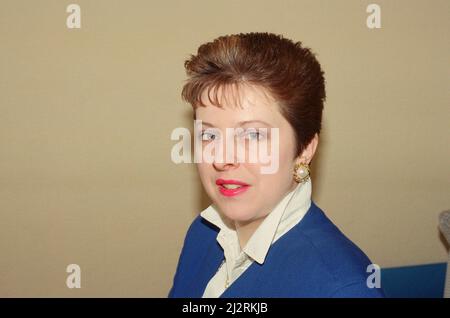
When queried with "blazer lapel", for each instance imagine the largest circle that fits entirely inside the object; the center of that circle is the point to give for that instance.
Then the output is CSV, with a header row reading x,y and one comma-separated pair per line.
x,y
206,269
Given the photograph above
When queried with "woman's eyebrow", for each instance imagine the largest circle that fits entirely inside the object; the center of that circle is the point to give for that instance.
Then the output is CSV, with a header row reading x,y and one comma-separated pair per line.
x,y
206,123
241,123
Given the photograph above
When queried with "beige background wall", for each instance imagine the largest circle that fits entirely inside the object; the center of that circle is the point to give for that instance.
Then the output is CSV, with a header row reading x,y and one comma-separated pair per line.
x,y
86,117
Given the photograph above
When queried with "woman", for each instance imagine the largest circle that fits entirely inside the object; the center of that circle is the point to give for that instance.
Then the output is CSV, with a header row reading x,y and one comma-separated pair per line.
x,y
262,236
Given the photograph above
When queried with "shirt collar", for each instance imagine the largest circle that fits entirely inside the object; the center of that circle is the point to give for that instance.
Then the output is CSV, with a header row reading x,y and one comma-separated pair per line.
x,y
288,212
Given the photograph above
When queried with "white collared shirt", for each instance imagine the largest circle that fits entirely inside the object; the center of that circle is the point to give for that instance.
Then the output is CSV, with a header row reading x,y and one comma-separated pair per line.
x,y
287,213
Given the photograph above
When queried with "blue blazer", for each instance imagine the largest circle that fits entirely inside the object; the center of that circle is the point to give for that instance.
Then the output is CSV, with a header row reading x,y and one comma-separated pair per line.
x,y
313,259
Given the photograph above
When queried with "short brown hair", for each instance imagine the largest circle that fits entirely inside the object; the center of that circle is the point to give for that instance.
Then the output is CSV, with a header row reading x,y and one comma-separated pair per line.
x,y
287,70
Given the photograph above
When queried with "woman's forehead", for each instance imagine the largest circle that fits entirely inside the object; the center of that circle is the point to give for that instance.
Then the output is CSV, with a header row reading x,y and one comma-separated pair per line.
x,y
257,115
238,95
237,103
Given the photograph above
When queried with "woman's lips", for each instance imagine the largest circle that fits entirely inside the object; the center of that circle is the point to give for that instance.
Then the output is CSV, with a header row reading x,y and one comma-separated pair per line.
x,y
237,187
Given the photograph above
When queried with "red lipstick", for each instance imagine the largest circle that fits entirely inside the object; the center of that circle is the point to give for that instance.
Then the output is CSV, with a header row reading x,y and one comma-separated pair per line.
x,y
230,188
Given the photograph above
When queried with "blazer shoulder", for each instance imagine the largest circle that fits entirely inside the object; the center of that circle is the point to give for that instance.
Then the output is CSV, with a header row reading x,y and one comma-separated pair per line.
x,y
200,233
341,257
200,226
198,236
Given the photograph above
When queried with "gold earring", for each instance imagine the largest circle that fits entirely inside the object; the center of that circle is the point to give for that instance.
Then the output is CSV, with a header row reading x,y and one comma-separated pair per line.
x,y
301,172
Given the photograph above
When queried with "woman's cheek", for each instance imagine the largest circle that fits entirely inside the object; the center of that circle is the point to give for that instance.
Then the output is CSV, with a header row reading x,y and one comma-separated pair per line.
x,y
204,174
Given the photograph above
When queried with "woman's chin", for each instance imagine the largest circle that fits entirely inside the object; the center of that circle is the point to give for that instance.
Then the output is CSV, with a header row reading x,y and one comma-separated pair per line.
x,y
237,216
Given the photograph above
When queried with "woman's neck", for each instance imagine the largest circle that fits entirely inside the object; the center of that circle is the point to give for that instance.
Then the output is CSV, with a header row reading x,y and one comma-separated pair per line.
x,y
245,230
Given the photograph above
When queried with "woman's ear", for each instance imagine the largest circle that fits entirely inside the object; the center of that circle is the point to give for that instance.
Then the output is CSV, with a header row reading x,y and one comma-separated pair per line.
x,y
309,151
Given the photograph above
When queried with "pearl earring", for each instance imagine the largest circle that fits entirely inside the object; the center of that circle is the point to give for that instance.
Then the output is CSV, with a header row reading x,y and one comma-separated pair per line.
x,y
301,172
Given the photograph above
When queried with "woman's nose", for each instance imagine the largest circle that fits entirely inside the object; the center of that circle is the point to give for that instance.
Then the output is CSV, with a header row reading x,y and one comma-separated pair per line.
x,y
224,166
226,161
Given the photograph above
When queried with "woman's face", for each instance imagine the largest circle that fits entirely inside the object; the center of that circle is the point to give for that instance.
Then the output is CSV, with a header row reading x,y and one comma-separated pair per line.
x,y
264,191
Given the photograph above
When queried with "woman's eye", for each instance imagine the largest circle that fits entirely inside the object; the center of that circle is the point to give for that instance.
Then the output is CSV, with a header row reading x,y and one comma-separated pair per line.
x,y
207,136
255,135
